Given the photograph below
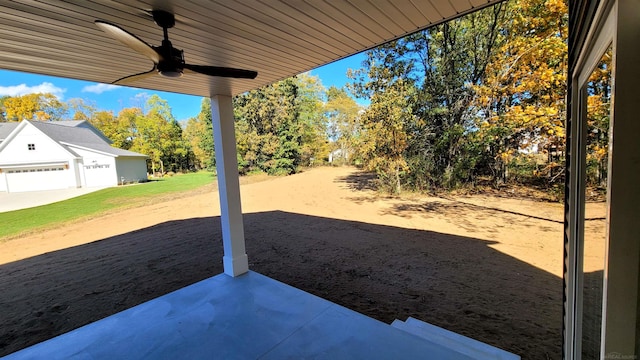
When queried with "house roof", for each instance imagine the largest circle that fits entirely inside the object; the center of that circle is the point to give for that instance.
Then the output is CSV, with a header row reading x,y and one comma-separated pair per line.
x,y
72,123
6,128
76,136
83,124
104,148
277,39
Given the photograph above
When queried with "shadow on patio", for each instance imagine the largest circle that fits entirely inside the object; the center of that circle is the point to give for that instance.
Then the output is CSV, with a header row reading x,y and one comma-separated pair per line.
x,y
454,282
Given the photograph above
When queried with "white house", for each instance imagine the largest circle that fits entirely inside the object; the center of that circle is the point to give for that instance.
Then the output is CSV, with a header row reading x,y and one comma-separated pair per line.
x,y
38,155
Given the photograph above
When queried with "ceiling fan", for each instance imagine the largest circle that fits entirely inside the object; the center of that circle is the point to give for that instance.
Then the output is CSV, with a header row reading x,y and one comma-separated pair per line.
x,y
167,60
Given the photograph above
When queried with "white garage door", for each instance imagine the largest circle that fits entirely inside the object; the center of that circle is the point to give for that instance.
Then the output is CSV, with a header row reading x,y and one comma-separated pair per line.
x,y
99,175
44,178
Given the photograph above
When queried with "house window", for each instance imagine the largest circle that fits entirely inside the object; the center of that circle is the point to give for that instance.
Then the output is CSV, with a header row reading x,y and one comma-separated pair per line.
x,y
31,146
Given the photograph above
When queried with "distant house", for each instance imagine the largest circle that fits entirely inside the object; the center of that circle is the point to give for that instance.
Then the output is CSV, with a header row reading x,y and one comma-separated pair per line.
x,y
339,154
38,155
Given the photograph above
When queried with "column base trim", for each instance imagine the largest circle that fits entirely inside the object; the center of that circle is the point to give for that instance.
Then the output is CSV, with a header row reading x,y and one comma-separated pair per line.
x,y
235,266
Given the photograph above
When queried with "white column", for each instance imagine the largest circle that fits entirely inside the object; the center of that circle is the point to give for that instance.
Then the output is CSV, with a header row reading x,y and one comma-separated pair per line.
x,y
235,258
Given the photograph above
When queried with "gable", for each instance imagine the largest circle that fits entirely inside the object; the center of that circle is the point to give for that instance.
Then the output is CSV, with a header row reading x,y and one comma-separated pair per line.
x,y
27,145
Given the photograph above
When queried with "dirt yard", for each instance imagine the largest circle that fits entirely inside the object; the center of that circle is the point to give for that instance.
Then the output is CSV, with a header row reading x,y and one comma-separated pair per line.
x,y
486,267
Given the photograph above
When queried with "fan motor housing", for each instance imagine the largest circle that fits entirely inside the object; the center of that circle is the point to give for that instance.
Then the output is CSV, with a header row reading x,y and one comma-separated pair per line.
x,y
170,69
163,19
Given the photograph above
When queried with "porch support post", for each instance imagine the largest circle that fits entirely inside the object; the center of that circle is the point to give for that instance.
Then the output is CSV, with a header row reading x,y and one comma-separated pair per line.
x,y
235,257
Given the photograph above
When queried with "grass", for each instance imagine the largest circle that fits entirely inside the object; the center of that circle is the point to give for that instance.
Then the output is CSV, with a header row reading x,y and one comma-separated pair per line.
x,y
97,203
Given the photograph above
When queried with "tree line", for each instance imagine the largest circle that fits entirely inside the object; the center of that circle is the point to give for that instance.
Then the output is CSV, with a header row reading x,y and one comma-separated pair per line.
x,y
463,100
479,98
279,127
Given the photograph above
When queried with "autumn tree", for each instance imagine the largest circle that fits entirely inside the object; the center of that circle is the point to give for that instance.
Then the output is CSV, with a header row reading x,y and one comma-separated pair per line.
x,y
385,126
598,121
521,101
438,68
81,109
342,122
314,145
40,107
155,133
159,135
199,133
120,129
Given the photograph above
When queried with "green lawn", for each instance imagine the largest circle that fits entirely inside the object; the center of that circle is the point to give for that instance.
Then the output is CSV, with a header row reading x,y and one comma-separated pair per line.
x,y
19,221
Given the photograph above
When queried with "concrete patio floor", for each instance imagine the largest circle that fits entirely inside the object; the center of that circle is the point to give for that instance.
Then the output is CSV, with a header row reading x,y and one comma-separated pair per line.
x,y
248,317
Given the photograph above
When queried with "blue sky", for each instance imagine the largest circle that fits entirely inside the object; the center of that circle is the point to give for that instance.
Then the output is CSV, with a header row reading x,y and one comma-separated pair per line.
x,y
115,98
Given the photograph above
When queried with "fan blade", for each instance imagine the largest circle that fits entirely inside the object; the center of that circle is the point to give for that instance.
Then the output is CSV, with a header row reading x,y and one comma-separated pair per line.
x,y
130,40
131,78
221,71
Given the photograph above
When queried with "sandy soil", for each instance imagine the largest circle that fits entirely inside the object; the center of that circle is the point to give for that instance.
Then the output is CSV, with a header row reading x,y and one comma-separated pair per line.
x,y
486,267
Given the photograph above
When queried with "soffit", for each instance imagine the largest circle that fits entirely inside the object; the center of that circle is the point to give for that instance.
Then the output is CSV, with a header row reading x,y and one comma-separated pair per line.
x,y
276,38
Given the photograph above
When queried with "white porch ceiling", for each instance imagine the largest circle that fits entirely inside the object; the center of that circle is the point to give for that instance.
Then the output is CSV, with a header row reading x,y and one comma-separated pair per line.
x,y
276,38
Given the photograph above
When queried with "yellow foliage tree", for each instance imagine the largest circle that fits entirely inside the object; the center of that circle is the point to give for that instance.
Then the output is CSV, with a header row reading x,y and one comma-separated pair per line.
x,y
41,107
522,100
342,114
385,123
194,133
598,121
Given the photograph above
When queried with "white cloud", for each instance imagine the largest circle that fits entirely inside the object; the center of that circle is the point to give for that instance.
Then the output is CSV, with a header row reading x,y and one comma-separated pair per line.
x,y
23,89
99,88
139,99
143,96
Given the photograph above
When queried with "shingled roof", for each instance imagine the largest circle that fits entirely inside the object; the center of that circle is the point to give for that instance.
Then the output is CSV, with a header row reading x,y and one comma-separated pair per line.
x,y
83,124
6,129
79,134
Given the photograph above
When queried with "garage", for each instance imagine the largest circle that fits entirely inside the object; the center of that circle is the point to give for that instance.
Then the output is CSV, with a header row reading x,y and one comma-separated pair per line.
x,y
37,178
99,174
39,155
